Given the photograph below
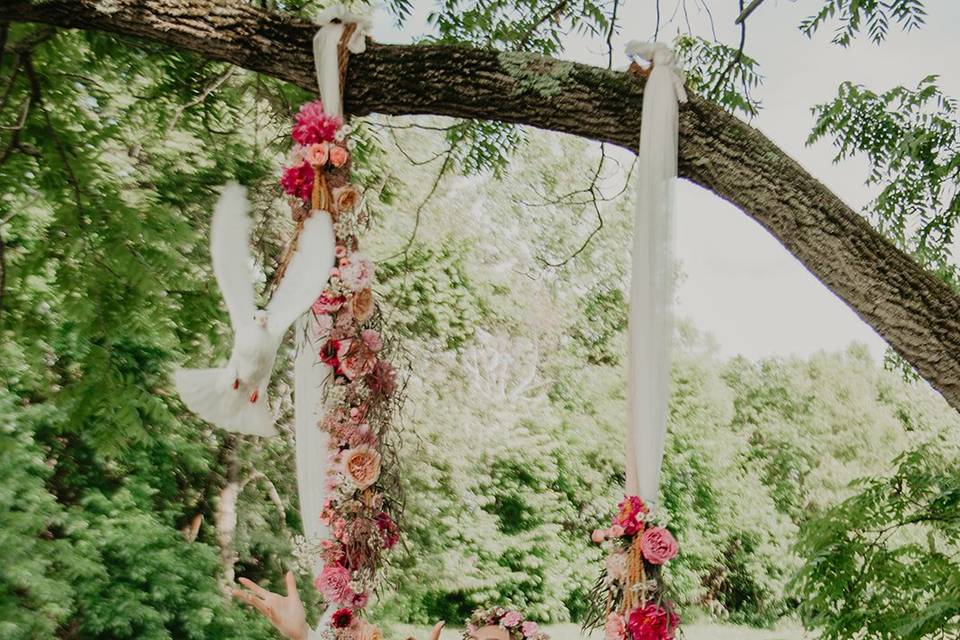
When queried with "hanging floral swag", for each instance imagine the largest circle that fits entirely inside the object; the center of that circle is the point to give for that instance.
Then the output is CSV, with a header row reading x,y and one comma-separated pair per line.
x,y
630,597
362,398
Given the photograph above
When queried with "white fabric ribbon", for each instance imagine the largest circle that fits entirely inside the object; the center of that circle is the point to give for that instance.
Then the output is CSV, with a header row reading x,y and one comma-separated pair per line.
x,y
325,58
311,375
651,286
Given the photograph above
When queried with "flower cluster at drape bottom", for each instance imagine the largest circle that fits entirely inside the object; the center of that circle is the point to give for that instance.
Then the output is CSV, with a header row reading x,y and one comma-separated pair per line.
x,y
632,603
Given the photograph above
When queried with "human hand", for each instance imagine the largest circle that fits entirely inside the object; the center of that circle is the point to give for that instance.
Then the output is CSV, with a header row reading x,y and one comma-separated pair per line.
x,y
285,613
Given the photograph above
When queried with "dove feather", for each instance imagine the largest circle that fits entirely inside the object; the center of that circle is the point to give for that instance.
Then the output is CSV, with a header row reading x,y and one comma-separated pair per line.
x,y
306,275
230,253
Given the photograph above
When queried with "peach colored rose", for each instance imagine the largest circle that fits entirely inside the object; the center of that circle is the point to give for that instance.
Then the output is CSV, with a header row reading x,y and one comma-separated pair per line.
x,y
658,545
316,154
362,466
367,631
361,305
338,155
598,536
345,198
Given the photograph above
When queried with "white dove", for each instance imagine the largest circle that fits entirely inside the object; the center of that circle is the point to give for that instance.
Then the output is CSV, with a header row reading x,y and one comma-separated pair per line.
x,y
234,397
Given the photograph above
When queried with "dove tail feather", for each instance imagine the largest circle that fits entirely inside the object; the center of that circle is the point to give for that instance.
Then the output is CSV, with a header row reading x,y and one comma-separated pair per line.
x,y
206,392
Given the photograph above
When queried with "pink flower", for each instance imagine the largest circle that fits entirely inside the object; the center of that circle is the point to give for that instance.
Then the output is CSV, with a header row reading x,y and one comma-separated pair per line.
x,y
322,324
362,466
313,125
355,359
298,180
529,629
598,536
658,545
616,531
630,516
652,622
333,583
511,619
327,303
614,629
316,154
372,339
338,155
341,251
358,274
358,600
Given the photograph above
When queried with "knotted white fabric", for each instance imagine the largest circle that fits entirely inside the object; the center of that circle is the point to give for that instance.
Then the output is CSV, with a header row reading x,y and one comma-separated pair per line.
x,y
325,59
651,291
311,375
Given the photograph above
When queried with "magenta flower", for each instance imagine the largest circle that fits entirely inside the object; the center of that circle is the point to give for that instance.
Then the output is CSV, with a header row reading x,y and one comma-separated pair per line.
x,y
313,125
298,181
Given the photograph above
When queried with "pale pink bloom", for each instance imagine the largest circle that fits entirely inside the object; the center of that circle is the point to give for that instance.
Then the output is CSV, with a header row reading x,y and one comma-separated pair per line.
x,y
598,536
358,274
341,251
338,155
333,583
511,619
530,629
316,154
372,339
322,325
616,531
614,629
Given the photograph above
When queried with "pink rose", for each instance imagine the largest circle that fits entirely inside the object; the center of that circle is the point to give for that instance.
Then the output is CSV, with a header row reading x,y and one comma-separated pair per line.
x,y
529,629
362,466
333,583
511,619
614,629
338,155
658,545
652,622
316,154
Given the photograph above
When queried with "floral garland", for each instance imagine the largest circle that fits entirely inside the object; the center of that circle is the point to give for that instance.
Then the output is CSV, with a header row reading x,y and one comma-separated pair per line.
x,y
509,619
360,399
629,599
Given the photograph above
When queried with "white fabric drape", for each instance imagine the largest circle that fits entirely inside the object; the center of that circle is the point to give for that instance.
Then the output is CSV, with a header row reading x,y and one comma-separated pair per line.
x,y
650,323
311,375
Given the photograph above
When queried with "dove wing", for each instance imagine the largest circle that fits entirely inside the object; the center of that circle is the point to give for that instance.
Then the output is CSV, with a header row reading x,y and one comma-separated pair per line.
x,y
306,275
230,253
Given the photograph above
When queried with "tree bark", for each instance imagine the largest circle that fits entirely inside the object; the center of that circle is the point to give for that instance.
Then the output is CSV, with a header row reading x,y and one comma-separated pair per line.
x,y
916,313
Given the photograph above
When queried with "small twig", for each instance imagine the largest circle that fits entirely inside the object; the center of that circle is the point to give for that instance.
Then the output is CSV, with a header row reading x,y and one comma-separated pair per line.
x,y
546,15
212,86
423,203
745,13
722,78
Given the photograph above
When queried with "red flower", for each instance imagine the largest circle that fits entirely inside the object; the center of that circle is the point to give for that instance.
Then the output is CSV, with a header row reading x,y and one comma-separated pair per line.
x,y
391,535
630,516
328,354
313,125
298,181
652,622
341,618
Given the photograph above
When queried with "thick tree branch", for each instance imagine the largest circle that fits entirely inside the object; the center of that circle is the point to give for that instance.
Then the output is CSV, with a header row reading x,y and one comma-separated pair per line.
x,y
917,314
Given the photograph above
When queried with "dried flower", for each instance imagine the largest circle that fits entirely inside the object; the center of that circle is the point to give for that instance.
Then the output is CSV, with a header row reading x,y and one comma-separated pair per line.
x,y
345,198
361,305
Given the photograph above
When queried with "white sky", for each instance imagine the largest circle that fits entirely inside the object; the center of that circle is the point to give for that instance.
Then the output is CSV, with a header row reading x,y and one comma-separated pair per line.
x,y
741,286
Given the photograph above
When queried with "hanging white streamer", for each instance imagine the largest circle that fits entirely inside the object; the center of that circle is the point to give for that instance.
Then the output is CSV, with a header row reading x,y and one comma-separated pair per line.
x,y
650,323
311,375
